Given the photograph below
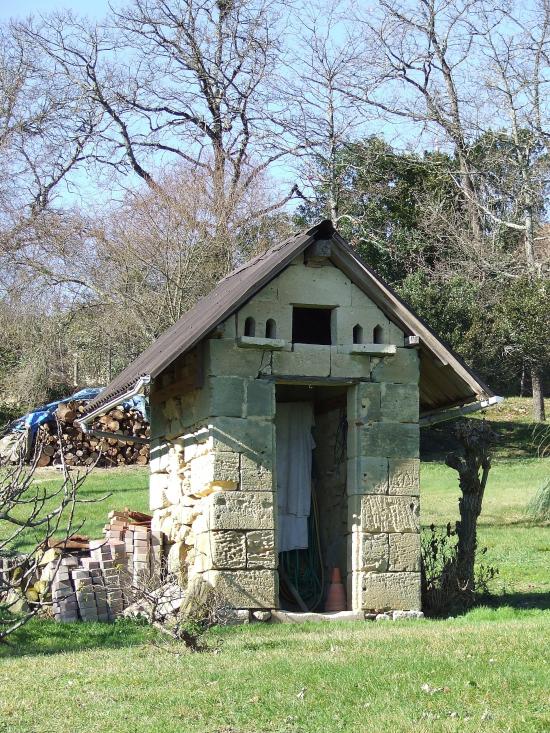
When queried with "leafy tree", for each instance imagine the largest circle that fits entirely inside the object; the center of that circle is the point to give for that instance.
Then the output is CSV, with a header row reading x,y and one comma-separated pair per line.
x,y
388,205
522,328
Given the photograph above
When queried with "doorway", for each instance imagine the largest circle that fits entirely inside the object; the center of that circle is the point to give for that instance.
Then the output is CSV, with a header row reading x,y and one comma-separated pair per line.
x,y
311,470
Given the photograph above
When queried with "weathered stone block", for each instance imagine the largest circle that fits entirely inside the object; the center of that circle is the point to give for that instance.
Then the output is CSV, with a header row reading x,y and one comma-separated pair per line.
x,y
174,489
260,549
268,294
348,365
158,483
246,588
404,476
254,438
359,299
260,398
236,616
186,514
223,358
255,476
214,470
367,475
160,426
368,401
375,513
320,286
366,315
226,396
402,368
308,360
241,510
396,440
229,328
399,402
159,456
370,552
224,549
176,557
391,591
404,552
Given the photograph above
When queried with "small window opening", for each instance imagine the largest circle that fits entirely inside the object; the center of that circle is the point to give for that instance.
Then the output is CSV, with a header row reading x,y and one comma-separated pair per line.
x,y
357,334
250,327
270,329
311,325
378,335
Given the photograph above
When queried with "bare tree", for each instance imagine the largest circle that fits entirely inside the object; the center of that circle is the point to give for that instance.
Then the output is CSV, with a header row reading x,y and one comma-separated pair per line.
x,y
181,82
516,57
45,128
99,287
323,118
421,51
39,514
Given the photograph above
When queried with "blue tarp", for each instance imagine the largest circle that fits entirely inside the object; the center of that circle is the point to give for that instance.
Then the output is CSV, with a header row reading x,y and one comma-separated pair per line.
x,y
45,413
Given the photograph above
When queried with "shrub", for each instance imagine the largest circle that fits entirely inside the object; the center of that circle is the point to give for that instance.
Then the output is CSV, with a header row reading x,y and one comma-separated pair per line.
x,y
443,590
538,508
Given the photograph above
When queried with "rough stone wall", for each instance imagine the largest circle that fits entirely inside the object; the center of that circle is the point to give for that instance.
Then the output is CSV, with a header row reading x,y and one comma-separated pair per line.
x,y
212,486
383,487
213,447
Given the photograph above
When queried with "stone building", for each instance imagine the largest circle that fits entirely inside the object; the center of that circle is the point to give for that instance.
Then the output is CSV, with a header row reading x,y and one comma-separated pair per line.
x,y
303,343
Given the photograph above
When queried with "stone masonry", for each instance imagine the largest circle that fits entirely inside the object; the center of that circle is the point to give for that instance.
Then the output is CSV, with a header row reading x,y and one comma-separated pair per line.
x,y
213,446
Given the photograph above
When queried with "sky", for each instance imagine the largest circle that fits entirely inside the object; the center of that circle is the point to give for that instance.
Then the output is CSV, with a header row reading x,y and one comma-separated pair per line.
x,y
22,8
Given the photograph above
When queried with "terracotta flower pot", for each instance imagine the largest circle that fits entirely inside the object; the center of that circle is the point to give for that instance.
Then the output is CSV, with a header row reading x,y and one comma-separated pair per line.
x,y
336,596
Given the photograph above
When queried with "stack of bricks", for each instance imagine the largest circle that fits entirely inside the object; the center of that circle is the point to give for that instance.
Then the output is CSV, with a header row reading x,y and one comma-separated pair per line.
x,y
92,587
111,557
84,585
65,604
138,542
116,527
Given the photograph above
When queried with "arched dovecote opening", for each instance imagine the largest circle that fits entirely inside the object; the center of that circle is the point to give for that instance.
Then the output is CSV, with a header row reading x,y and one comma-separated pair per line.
x,y
357,334
378,335
270,329
250,327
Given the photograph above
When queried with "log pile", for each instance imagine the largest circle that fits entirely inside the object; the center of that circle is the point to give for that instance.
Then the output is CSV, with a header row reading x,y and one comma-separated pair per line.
x,y
84,449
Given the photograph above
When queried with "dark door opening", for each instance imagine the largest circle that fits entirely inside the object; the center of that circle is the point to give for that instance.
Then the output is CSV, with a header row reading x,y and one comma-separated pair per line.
x,y
318,542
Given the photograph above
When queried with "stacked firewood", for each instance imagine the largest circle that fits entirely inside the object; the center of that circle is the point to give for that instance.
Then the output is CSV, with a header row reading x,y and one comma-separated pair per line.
x,y
87,449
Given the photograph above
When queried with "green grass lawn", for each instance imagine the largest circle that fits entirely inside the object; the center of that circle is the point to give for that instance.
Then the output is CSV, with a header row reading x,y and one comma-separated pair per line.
x,y
484,672
107,489
487,670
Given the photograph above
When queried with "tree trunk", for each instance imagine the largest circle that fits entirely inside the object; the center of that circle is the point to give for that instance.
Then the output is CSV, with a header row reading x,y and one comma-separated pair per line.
x,y
470,197
470,509
473,471
539,413
522,381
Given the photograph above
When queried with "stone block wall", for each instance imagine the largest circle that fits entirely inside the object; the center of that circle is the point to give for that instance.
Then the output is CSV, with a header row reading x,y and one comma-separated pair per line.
x,y
383,487
211,489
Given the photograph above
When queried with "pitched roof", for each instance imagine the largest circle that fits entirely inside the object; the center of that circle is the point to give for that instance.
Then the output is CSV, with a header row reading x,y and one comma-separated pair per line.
x,y
445,380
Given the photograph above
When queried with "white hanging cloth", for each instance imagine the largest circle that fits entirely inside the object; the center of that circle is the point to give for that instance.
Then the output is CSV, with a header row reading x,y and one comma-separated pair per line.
x,y
294,443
